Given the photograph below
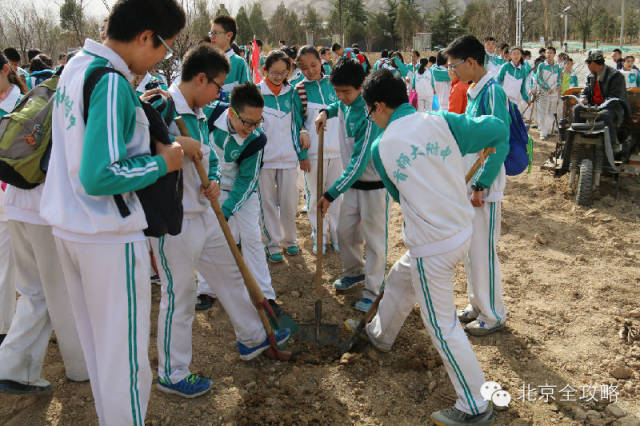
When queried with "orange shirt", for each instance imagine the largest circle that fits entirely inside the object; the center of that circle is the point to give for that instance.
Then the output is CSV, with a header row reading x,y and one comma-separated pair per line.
x,y
458,96
274,89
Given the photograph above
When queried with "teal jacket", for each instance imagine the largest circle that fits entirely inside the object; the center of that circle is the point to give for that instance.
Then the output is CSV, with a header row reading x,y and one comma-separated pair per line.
x,y
356,151
239,74
515,75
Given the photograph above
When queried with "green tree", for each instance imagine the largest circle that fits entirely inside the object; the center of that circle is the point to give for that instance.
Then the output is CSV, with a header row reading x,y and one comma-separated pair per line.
x,y
605,26
407,22
631,26
391,9
202,20
445,24
258,23
379,35
585,13
312,21
72,18
245,32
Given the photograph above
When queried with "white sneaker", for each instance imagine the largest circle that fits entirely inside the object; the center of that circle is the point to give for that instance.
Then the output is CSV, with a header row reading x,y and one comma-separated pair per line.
x,y
467,314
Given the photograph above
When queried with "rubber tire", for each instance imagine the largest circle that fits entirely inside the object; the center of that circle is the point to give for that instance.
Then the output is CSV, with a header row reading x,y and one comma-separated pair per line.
x,y
585,183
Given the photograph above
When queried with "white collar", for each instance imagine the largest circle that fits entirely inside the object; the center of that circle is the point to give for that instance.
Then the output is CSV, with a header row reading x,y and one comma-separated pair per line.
x,y
110,55
143,83
229,53
182,107
9,103
475,90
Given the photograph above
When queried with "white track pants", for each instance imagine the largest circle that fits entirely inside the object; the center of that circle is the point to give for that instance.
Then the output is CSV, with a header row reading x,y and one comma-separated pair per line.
x,y
278,206
428,281
425,103
332,172
42,306
201,245
245,227
363,219
110,294
484,278
546,106
7,280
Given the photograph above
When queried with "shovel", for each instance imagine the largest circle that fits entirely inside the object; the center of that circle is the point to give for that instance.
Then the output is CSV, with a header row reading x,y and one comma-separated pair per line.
x,y
257,297
348,344
318,333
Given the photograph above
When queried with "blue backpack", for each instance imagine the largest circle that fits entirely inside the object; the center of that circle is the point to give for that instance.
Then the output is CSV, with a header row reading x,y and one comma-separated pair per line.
x,y
520,155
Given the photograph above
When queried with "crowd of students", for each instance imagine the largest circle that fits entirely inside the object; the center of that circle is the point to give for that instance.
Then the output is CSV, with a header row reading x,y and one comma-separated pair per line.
x,y
71,246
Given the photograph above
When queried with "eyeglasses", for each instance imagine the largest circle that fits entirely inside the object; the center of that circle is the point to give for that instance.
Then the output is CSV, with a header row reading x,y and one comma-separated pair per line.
x,y
247,124
169,49
214,33
278,74
453,66
373,108
211,80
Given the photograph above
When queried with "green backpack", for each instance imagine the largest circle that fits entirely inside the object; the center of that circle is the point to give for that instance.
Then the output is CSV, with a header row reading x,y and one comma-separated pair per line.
x,y
25,137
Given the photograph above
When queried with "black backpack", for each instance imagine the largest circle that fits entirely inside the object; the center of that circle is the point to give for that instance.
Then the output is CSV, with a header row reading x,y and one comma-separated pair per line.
x,y
162,200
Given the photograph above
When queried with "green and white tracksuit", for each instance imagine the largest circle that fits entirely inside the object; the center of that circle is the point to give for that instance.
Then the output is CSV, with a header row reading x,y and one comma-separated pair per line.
x,y
424,86
296,77
320,94
631,78
150,79
549,80
484,277
419,158
27,77
365,208
513,79
7,280
492,63
442,85
279,174
104,256
239,74
200,245
239,199
326,67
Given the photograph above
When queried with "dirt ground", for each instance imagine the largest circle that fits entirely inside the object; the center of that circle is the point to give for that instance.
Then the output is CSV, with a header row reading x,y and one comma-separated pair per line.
x,y
571,285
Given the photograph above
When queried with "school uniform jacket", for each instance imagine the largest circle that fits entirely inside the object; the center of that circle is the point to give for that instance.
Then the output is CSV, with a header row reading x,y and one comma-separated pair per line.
x,y
239,180
148,78
492,175
514,80
419,157
9,103
238,74
359,171
283,149
320,94
631,78
548,76
109,155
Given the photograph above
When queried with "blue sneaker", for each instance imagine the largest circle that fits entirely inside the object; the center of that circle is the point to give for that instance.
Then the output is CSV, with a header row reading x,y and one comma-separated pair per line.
x,y
347,283
336,247
248,353
189,387
363,304
292,250
16,388
275,257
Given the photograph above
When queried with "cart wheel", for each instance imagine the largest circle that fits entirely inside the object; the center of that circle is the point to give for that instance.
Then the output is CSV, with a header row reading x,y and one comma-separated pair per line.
x,y
585,183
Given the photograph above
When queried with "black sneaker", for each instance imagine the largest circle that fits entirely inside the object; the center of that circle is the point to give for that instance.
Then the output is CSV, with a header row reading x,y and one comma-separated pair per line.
x,y
454,417
2,336
204,302
16,388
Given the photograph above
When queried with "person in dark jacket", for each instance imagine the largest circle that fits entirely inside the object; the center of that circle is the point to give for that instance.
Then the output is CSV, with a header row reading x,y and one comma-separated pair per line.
x,y
604,84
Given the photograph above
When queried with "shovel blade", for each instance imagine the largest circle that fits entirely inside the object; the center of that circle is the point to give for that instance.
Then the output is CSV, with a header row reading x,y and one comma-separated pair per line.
x,y
284,321
325,335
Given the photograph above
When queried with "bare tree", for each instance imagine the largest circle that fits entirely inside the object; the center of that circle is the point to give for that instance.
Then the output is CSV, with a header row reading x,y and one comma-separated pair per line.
x,y
584,15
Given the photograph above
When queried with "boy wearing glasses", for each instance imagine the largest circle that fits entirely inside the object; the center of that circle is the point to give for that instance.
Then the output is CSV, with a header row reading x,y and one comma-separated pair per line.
x,y
486,312
201,244
364,207
239,142
223,33
105,256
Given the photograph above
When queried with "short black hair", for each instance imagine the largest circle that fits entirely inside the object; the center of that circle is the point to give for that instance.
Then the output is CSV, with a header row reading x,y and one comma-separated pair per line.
x,y
417,53
129,18
552,48
441,58
489,39
324,51
228,24
32,53
616,50
384,54
432,59
629,57
259,43
347,72
382,86
335,47
283,42
307,50
466,46
527,53
541,51
275,56
204,58
12,54
291,52
40,63
246,95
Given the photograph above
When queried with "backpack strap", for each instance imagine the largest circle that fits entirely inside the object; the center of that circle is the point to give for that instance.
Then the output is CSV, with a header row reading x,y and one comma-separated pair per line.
x,y
87,89
219,109
302,92
253,147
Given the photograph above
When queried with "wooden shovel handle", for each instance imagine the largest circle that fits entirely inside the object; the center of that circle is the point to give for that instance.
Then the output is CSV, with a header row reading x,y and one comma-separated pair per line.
x,y
482,155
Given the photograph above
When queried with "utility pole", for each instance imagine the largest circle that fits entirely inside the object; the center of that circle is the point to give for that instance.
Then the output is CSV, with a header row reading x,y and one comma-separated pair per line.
x,y
340,22
622,26
518,22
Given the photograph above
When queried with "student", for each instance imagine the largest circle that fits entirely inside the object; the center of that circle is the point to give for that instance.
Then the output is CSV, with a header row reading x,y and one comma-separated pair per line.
x,y
10,95
618,58
295,75
441,80
513,78
319,95
419,158
282,44
30,265
384,57
549,80
201,243
325,54
364,208
486,312
424,86
490,54
277,185
631,74
14,61
432,61
223,32
340,51
89,164
458,95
